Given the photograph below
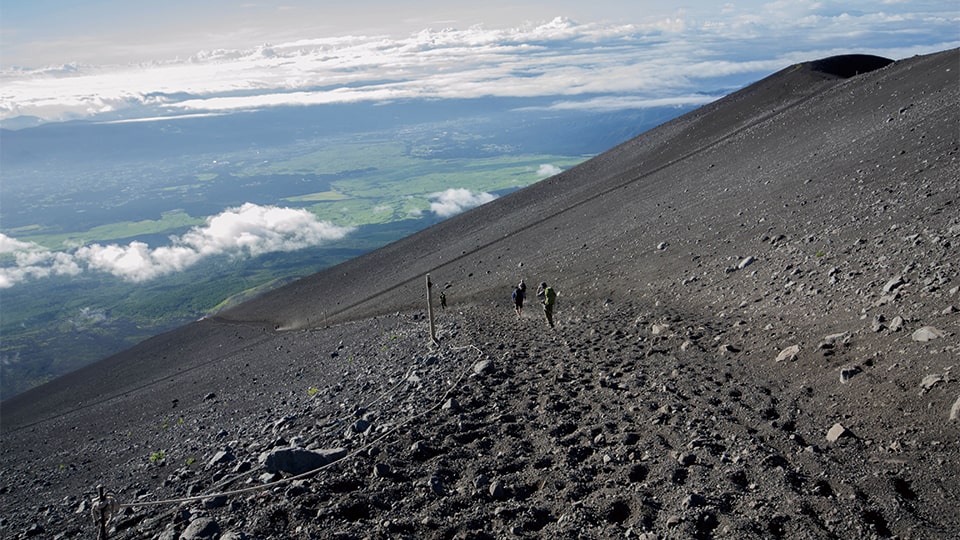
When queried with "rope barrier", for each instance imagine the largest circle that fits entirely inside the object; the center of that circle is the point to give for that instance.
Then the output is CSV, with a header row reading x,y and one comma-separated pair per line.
x,y
107,505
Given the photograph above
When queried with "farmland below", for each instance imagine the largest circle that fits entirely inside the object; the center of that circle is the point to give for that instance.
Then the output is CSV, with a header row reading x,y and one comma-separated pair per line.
x,y
376,172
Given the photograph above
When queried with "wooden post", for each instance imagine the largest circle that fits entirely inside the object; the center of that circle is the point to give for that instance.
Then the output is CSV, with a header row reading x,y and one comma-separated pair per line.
x,y
101,514
433,330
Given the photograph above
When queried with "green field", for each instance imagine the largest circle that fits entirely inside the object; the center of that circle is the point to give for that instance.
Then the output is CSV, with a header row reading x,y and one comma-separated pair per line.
x,y
382,187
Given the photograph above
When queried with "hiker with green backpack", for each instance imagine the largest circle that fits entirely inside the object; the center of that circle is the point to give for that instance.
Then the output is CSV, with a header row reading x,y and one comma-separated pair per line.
x,y
548,297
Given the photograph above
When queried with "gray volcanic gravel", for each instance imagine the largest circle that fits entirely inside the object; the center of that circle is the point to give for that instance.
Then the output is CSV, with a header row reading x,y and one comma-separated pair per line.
x,y
757,337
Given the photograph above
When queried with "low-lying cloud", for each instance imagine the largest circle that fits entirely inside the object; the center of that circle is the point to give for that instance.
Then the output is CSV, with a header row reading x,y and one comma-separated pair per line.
x,y
453,201
247,231
548,169
682,59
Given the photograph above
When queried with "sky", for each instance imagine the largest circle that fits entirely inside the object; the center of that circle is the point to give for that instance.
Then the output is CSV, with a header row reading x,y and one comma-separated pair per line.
x,y
117,60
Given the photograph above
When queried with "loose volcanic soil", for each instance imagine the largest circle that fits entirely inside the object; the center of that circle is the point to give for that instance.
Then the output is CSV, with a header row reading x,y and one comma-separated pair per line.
x,y
757,337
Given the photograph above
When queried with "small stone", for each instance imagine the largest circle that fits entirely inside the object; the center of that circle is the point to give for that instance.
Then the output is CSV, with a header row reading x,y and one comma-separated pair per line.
x,y
483,366
381,470
436,485
200,529
848,373
221,457
267,478
481,481
662,246
215,502
790,353
659,328
833,339
896,324
496,489
693,500
926,333
836,432
929,381
360,426
893,284
451,405
955,410
746,262
727,348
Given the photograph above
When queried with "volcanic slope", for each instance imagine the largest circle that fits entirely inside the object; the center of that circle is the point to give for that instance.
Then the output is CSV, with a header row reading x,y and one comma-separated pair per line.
x,y
757,336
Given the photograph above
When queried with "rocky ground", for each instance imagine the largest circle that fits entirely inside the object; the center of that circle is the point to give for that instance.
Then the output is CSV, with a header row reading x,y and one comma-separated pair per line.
x,y
757,337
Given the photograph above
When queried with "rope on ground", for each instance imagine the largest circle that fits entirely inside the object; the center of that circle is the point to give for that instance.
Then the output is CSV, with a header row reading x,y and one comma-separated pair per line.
x,y
114,506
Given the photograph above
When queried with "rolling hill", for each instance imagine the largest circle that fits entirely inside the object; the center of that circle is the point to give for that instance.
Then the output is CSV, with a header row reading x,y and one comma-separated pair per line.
x,y
757,330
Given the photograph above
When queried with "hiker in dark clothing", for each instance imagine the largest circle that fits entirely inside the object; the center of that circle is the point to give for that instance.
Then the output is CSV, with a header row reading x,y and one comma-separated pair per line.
x,y
519,294
548,297
443,301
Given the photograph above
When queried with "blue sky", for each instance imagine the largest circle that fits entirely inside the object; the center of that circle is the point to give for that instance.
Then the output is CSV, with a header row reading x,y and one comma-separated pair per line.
x,y
108,59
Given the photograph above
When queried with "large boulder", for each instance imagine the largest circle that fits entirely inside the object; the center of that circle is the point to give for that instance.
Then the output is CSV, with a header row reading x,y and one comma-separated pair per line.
x,y
299,460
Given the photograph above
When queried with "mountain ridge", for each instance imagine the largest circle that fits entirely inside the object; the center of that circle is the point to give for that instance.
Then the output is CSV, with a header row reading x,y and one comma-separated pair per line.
x,y
734,285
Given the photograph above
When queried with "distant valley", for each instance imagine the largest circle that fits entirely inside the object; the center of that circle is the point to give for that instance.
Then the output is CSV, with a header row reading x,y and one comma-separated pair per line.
x,y
370,168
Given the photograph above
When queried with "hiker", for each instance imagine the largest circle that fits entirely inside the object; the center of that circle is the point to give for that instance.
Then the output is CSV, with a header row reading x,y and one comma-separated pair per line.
x,y
519,294
443,300
548,297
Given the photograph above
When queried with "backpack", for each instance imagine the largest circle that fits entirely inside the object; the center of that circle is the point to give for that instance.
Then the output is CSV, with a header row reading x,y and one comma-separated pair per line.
x,y
549,296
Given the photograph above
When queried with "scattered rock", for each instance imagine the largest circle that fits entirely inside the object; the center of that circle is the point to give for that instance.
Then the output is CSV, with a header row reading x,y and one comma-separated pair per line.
x,y
382,470
298,460
926,333
451,405
848,373
659,328
836,432
790,353
482,367
893,284
833,339
896,324
201,529
878,323
955,410
929,382
746,262
222,457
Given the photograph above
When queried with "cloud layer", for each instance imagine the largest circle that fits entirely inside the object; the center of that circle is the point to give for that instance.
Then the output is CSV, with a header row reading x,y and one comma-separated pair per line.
x,y
681,59
249,230
453,201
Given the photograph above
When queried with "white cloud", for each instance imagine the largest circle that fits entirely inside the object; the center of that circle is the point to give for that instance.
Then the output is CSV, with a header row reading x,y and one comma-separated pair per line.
x,y
249,230
31,260
655,58
12,245
547,169
455,200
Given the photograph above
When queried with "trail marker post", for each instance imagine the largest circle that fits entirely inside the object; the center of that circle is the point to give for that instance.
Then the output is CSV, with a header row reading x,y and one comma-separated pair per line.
x,y
433,330
100,514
